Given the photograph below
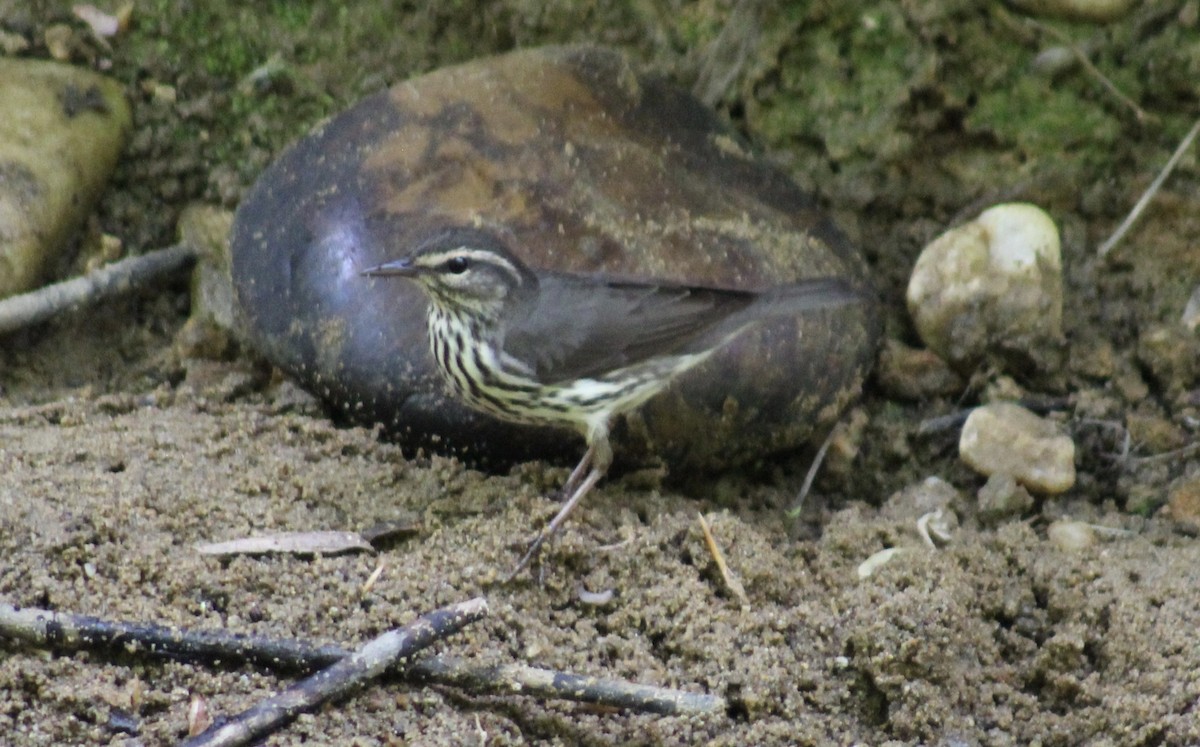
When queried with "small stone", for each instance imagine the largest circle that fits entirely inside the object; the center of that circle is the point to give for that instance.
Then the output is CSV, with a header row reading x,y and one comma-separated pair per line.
x,y
1071,535
1153,433
1172,354
1001,498
845,442
1005,438
910,373
1098,404
1093,358
994,284
60,40
61,133
914,501
1130,385
207,229
1191,312
1002,389
12,44
1183,501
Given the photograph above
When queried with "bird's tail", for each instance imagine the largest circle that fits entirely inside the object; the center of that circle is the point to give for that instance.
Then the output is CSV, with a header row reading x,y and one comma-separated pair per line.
x,y
806,295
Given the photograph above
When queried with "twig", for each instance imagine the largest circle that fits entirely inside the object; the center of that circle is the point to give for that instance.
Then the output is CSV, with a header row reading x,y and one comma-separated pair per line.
x,y
547,683
811,475
731,581
342,677
1092,70
130,274
1167,456
64,631
941,423
1152,190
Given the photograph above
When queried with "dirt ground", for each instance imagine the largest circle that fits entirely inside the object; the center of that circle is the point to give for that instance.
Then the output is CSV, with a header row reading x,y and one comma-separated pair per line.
x,y
119,450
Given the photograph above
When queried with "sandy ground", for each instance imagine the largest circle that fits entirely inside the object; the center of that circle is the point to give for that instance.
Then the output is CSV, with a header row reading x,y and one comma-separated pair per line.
x,y
118,454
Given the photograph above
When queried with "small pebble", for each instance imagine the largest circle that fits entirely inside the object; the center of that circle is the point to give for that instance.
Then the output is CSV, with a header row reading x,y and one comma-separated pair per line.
x,y
1002,497
1004,438
1183,501
207,229
913,374
1191,312
1172,355
1153,433
1071,535
931,494
995,282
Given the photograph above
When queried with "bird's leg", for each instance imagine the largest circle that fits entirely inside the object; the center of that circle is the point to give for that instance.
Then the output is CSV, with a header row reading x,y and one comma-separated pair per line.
x,y
577,474
536,546
599,455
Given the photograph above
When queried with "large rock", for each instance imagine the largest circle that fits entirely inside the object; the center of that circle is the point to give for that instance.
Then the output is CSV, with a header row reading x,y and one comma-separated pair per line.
x,y
61,131
583,165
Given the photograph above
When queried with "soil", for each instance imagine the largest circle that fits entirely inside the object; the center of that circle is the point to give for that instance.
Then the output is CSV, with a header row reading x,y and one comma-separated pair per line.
x,y
121,448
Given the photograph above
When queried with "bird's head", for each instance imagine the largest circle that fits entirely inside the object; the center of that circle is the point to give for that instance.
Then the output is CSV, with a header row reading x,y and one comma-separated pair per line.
x,y
463,270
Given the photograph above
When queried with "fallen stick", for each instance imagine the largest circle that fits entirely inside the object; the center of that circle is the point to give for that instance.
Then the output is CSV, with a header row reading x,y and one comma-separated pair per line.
x,y
125,276
64,631
341,677
1103,250
514,679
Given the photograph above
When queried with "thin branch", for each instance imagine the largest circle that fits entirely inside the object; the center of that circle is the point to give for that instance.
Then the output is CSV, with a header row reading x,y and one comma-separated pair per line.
x,y
1167,456
1148,195
547,683
118,278
341,677
64,631
1091,69
811,475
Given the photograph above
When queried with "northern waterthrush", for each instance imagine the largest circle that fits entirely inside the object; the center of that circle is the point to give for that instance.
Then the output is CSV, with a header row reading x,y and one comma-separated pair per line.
x,y
553,348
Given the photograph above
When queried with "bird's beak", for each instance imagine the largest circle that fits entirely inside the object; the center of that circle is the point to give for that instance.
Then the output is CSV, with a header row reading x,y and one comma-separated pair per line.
x,y
400,267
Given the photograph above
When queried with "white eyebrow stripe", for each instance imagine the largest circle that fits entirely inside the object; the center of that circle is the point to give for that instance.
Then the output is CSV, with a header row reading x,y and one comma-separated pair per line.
x,y
433,259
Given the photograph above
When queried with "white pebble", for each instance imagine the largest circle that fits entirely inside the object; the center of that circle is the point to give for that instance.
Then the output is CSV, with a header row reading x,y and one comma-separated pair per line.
x,y
995,280
1071,535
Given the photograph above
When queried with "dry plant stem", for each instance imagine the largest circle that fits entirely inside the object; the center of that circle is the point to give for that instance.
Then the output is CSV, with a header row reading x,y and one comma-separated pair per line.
x,y
811,475
731,581
341,677
62,631
1148,195
128,275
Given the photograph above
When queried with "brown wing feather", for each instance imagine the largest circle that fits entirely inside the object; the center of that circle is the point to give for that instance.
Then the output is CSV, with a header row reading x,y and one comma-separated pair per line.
x,y
582,326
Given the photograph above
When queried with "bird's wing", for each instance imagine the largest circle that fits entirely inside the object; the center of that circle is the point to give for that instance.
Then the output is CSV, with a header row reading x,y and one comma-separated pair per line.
x,y
580,326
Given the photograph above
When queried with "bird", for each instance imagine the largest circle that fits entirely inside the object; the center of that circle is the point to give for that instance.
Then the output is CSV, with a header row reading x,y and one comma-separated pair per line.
x,y
574,350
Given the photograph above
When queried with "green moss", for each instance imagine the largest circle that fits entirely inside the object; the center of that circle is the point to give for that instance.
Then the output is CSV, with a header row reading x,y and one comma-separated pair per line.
x,y
1037,117
845,83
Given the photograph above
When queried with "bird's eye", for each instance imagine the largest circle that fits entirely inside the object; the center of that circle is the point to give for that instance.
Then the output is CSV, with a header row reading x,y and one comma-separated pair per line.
x,y
457,265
